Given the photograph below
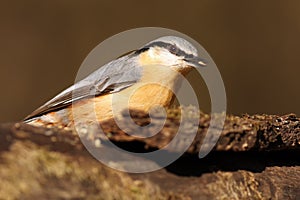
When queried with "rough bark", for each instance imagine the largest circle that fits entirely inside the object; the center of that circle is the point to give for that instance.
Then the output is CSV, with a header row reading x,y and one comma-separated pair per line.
x,y
256,157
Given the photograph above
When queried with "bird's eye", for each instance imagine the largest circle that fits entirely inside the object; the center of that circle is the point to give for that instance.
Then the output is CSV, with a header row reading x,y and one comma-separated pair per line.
x,y
173,49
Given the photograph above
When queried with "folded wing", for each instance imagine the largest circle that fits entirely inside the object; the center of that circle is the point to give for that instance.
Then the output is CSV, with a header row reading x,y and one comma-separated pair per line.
x,y
112,77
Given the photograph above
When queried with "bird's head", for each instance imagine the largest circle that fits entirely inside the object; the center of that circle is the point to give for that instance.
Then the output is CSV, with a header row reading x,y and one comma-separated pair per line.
x,y
171,51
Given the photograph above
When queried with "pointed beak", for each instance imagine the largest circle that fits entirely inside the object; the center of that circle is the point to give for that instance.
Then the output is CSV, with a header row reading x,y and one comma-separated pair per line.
x,y
195,62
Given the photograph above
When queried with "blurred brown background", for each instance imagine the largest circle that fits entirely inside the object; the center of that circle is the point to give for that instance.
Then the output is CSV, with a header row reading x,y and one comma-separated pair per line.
x,y
255,44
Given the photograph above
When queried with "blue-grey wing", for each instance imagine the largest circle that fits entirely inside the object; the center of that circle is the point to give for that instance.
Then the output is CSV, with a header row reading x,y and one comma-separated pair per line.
x,y
112,77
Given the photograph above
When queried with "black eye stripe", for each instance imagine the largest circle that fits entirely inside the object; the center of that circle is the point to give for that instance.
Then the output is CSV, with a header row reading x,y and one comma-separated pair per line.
x,y
141,50
172,48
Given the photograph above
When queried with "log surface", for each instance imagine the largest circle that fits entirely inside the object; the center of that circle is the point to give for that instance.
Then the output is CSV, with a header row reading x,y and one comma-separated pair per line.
x,y
256,157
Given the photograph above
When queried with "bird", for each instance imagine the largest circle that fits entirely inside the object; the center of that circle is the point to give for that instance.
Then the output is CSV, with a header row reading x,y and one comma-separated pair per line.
x,y
139,80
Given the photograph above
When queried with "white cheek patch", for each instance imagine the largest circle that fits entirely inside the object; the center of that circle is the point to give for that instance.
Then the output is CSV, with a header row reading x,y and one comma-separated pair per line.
x,y
169,58
152,53
164,57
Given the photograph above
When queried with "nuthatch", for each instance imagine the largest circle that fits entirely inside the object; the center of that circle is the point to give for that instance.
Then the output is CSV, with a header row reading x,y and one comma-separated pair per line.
x,y
139,80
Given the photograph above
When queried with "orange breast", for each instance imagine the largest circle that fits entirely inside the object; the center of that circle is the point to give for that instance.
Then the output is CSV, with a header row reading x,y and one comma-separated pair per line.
x,y
155,88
